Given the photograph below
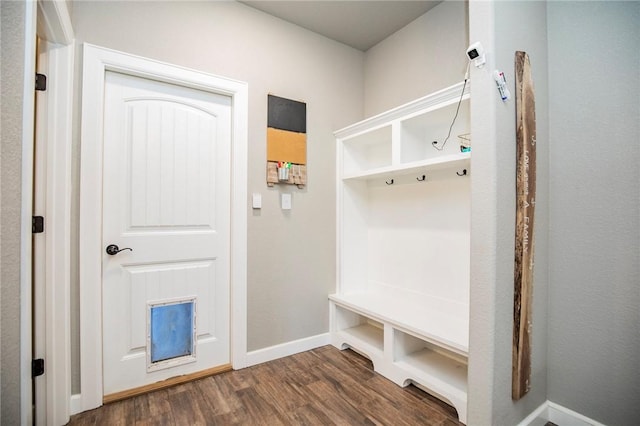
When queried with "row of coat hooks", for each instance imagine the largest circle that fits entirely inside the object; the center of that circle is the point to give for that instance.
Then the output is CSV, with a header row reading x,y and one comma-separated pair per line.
x,y
424,177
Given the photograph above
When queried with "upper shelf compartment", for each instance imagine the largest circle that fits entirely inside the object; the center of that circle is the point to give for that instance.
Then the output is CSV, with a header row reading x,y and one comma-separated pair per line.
x,y
399,141
418,132
368,151
460,161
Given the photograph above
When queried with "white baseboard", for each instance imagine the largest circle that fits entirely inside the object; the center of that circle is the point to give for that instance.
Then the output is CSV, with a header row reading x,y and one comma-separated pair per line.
x,y
75,404
285,349
538,417
556,413
563,416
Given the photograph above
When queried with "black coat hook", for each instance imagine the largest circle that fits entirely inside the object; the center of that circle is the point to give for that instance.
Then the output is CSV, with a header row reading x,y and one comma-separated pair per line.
x,y
389,182
464,172
421,179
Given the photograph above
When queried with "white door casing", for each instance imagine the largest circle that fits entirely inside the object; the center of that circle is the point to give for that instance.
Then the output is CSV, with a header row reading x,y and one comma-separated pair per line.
x,y
52,189
97,62
165,196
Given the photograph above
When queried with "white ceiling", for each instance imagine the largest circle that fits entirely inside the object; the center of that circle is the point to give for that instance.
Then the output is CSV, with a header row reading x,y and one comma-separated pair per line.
x,y
357,23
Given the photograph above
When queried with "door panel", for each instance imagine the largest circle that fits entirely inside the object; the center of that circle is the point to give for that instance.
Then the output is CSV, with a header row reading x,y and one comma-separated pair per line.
x,y
172,181
165,196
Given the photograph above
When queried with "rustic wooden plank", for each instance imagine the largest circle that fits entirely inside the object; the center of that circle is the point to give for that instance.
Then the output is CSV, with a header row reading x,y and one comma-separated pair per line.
x,y
310,414
524,236
291,370
418,410
185,405
220,398
255,405
280,392
340,411
120,413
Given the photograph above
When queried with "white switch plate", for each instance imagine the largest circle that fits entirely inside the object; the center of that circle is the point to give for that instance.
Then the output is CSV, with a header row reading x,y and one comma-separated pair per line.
x,y
286,201
256,201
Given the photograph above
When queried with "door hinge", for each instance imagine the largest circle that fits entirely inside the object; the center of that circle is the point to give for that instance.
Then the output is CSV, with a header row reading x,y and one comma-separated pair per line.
x,y
37,224
41,82
37,367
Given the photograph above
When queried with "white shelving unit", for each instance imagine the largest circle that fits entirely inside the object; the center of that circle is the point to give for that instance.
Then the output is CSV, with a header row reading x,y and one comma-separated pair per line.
x,y
403,213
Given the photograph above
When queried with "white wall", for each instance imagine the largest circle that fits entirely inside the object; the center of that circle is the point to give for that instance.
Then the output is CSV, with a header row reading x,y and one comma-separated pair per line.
x,y
291,258
425,56
594,297
503,28
12,15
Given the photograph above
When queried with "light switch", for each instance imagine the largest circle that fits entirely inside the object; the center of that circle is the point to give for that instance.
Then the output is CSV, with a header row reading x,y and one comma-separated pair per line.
x,y
286,201
256,201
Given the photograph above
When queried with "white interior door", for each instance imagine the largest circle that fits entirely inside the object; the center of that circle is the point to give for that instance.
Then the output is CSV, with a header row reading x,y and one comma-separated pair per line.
x,y
166,196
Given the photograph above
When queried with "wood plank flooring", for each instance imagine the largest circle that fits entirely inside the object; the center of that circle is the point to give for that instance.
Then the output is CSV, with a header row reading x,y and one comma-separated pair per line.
x,y
323,386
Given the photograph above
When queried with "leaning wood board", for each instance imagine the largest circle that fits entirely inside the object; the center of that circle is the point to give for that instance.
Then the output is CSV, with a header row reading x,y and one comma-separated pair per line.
x,y
524,236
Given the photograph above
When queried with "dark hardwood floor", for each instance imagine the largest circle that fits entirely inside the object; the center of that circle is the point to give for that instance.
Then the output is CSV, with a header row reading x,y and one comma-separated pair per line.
x,y
324,386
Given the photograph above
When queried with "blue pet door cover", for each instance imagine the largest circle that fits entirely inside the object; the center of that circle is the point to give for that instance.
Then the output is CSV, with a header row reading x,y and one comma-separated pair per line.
x,y
171,333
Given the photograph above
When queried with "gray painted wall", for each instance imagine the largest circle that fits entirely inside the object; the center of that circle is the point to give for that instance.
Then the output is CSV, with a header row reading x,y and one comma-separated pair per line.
x,y
425,56
503,28
594,297
287,286
12,16
590,352
521,26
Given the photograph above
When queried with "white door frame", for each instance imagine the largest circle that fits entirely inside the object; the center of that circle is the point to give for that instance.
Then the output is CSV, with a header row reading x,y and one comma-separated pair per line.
x,y
97,61
52,184
52,257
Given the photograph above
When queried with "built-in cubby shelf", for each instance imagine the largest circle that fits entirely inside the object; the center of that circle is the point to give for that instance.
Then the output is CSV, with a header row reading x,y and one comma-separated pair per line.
x,y
403,220
369,151
362,332
402,138
439,374
402,352
451,161
439,321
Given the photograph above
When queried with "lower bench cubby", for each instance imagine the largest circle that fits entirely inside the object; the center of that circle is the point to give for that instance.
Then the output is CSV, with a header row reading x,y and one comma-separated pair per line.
x,y
403,356
361,333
